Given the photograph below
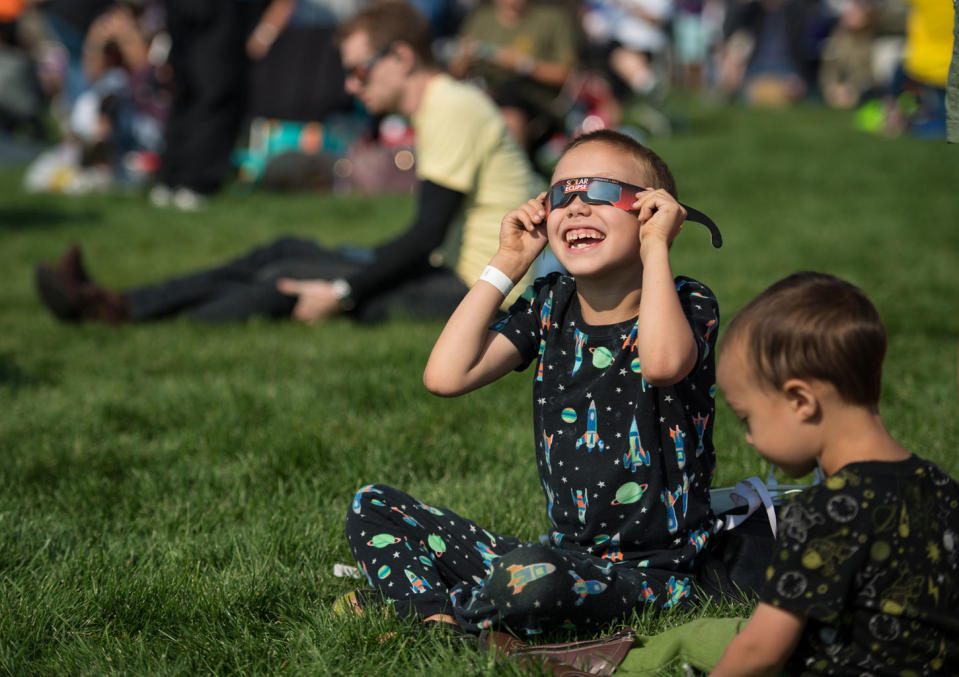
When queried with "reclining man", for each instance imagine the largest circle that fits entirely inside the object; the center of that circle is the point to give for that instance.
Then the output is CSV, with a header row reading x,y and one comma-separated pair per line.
x,y
470,173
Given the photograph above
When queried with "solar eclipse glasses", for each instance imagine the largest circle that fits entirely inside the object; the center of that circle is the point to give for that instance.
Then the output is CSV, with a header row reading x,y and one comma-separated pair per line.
x,y
595,190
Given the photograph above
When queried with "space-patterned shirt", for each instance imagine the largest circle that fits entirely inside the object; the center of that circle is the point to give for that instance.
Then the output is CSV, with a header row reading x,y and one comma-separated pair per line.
x,y
625,466
871,558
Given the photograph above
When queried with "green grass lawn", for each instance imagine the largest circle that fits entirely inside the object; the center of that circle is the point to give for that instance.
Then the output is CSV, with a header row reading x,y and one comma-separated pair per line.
x,y
173,495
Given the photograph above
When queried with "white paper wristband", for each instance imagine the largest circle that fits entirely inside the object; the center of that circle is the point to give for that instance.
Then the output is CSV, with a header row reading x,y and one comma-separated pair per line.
x,y
498,279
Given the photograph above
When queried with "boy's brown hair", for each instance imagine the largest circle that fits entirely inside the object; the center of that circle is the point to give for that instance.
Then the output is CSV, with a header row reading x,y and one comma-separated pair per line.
x,y
814,326
390,21
653,166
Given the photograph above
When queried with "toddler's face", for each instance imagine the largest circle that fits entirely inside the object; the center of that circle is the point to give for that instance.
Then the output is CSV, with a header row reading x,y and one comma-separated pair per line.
x,y
772,424
593,239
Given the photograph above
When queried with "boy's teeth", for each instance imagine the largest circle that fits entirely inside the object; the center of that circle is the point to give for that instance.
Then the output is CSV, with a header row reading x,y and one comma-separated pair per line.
x,y
573,238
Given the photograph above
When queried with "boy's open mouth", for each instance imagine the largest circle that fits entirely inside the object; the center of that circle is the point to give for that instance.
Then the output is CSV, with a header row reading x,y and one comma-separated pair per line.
x,y
580,238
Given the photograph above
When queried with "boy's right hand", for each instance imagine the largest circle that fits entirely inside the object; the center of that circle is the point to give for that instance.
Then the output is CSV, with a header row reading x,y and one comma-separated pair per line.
x,y
522,237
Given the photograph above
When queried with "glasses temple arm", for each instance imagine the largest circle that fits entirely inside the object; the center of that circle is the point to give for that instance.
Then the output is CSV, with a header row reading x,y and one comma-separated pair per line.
x,y
693,214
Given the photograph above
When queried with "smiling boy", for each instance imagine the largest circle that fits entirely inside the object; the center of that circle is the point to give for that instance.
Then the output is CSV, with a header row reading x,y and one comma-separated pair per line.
x,y
622,412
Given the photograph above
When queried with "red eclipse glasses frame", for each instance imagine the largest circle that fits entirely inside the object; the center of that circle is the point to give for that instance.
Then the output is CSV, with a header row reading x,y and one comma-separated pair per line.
x,y
597,190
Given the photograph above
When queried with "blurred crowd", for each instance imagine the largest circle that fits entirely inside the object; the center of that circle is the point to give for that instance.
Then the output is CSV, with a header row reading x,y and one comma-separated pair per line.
x,y
161,92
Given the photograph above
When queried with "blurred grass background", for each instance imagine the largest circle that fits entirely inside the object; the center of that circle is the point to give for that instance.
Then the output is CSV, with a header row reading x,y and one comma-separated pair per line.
x,y
173,494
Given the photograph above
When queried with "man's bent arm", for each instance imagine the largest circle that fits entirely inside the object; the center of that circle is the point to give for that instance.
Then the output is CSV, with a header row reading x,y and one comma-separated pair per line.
x,y
437,206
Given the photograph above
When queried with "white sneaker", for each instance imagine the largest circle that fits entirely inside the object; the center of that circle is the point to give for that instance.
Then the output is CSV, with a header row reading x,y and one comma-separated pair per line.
x,y
160,195
187,200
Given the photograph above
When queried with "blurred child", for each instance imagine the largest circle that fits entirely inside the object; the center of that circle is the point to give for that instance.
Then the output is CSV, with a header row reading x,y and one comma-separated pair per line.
x,y
846,71
523,52
865,580
622,414
633,35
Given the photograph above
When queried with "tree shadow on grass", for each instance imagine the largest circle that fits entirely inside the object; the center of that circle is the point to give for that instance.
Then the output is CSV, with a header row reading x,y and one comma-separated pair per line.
x,y
23,218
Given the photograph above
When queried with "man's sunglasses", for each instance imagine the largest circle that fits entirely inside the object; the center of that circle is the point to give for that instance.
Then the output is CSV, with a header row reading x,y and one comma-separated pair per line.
x,y
600,191
361,71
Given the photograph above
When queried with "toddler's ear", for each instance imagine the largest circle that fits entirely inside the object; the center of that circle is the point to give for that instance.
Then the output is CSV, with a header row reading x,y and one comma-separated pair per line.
x,y
803,399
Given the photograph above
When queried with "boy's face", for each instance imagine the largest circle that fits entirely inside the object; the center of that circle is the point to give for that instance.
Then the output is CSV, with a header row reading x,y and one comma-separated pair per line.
x,y
590,239
773,426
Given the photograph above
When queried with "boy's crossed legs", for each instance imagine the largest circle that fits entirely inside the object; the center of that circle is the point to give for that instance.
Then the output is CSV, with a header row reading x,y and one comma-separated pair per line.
x,y
430,561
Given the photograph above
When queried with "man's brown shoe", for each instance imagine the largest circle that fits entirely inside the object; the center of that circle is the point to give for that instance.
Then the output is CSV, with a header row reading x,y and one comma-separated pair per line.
x,y
74,300
103,305
59,295
71,264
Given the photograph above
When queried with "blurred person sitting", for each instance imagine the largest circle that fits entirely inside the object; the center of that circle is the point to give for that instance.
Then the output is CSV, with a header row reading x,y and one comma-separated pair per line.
x,y
470,173
522,51
114,129
772,49
629,36
693,36
846,71
69,20
917,99
123,110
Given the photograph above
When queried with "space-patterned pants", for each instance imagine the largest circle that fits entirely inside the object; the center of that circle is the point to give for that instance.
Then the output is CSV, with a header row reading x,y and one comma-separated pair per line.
x,y
429,560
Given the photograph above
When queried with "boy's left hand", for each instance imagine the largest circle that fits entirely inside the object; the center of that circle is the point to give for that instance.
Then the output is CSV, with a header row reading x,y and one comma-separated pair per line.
x,y
660,219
